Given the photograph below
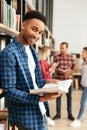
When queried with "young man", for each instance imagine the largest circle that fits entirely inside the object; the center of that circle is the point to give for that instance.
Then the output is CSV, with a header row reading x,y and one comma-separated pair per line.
x,y
66,67
20,72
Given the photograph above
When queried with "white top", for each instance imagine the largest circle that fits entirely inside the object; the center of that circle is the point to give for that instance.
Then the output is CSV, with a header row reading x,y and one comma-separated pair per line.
x,y
84,75
32,66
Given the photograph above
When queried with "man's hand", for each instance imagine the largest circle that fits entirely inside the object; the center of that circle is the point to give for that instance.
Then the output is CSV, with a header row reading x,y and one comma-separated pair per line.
x,y
52,81
53,67
1,90
49,96
67,73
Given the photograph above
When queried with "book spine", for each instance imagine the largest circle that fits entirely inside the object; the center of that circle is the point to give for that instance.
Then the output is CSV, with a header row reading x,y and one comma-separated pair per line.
x,y
2,103
17,22
2,11
2,44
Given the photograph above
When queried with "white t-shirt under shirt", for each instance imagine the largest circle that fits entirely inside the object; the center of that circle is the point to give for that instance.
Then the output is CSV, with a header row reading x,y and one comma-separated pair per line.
x,y
32,66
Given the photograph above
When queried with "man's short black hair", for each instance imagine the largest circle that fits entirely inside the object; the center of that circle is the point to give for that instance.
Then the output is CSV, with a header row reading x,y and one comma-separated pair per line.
x,y
34,14
64,43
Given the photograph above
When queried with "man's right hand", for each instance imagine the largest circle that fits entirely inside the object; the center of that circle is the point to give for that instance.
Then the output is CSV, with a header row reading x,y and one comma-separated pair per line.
x,y
49,96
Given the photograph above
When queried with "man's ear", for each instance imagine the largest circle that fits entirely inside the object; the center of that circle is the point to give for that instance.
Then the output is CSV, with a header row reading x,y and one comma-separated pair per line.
x,y
23,25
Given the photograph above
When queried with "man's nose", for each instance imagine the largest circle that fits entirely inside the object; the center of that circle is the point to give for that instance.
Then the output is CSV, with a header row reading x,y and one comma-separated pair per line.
x,y
37,35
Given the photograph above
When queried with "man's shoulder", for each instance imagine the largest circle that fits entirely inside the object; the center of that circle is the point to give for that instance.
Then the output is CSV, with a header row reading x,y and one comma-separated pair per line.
x,y
57,55
69,55
12,47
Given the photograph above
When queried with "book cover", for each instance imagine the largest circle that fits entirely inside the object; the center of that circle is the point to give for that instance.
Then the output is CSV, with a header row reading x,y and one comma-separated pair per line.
x,y
61,86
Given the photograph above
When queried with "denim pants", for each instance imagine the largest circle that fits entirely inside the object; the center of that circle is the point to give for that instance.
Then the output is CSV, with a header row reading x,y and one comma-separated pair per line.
x,y
47,108
20,127
69,102
83,102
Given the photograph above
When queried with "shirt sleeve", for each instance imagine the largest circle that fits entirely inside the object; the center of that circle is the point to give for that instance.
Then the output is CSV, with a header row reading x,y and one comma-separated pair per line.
x,y
56,58
8,82
45,70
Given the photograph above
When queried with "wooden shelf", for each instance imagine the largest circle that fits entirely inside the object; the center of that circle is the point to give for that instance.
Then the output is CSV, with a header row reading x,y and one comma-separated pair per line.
x,y
7,30
3,114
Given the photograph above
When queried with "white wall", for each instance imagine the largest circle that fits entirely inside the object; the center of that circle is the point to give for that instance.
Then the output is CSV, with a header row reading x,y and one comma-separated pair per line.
x,y
70,24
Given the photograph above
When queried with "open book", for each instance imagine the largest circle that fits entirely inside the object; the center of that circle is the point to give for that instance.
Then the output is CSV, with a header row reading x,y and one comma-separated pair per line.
x,y
61,86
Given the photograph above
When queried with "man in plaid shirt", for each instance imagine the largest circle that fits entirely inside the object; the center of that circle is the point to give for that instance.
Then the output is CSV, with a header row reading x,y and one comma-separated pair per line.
x,y
20,72
65,69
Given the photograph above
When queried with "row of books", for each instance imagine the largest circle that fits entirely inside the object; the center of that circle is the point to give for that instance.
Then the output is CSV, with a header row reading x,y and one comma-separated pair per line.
x,y
8,15
4,42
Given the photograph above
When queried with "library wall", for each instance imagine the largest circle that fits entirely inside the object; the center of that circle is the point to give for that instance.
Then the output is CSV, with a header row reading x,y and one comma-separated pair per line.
x,y
70,23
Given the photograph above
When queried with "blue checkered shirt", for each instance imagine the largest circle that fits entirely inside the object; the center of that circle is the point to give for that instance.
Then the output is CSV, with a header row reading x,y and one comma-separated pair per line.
x,y
16,82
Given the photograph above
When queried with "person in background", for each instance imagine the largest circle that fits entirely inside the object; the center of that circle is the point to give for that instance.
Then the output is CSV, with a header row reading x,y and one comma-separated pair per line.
x,y
77,122
78,74
20,72
47,71
66,67
78,60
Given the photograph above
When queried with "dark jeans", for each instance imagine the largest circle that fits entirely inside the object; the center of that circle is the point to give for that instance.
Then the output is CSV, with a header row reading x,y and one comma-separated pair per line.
x,y
47,108
69,102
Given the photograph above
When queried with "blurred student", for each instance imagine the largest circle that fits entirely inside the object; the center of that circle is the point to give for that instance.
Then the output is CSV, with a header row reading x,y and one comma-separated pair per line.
x,y
78,60
77,122
47,71
66,67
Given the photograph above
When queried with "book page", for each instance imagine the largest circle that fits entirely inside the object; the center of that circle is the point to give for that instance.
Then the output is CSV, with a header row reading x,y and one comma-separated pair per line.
x,y
61,86
64,70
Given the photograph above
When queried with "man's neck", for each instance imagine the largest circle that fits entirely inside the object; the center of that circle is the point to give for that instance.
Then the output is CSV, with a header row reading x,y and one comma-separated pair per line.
x,y
64,54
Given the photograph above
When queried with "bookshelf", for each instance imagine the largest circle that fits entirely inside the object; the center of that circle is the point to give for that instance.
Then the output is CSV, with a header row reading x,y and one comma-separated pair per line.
x,y
19,8
6,30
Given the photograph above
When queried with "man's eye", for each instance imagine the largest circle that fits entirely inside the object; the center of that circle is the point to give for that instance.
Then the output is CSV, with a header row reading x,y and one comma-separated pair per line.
x,y
34,29
41,33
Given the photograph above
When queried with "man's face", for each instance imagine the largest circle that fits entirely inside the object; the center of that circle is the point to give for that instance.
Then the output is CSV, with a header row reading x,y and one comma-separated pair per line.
x,y
63,49
48,53
84,54
32,31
